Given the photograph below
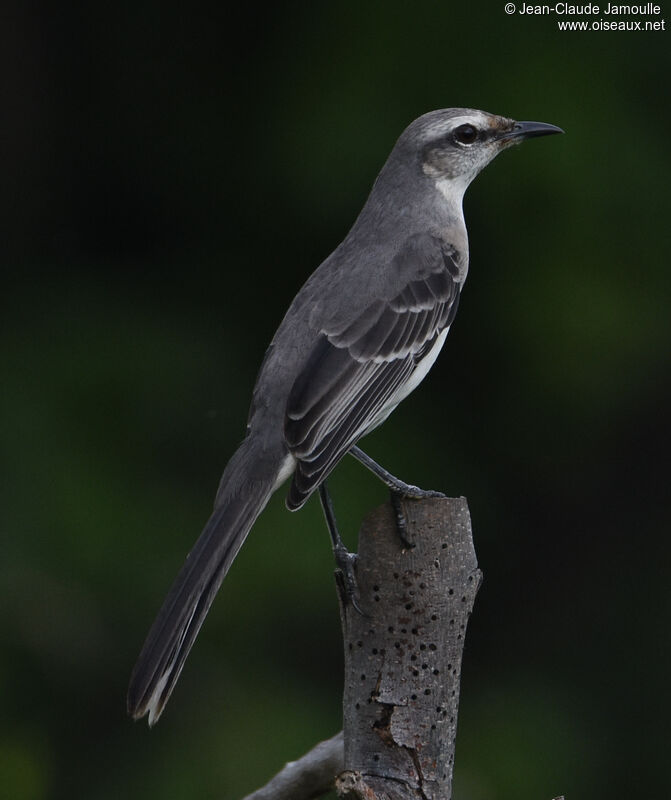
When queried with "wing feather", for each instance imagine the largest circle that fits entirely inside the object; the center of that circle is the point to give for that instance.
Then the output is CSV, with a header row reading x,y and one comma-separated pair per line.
x,y
358,366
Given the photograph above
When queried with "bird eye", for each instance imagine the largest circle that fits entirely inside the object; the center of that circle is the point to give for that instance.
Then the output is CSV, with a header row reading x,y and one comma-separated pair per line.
x,y
465,134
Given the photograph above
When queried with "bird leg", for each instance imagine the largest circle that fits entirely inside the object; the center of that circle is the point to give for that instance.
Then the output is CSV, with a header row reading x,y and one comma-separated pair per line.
x,y
345,560
399,491
395,484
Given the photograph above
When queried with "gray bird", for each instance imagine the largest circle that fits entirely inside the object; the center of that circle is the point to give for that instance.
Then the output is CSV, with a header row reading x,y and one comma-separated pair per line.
x,y
357,339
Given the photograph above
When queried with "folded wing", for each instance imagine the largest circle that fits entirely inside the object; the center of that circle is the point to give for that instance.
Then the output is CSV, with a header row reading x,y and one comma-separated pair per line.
x,y
359,370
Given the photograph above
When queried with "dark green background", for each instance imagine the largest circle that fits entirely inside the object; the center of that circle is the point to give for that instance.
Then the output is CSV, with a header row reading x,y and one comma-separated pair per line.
x,y
171,174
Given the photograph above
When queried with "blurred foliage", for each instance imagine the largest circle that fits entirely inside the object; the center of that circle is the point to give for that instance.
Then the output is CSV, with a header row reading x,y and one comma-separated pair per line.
x,y
170,178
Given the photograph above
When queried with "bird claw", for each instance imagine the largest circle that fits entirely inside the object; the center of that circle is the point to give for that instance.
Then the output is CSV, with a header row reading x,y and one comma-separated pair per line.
x,y
401,521
408,492
346,577
415,493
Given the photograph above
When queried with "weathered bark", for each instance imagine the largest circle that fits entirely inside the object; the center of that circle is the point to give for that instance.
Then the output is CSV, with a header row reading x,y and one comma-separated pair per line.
x,y
402,662
403,658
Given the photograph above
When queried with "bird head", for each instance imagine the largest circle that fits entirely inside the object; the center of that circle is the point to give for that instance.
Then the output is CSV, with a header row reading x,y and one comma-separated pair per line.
x,y
455,144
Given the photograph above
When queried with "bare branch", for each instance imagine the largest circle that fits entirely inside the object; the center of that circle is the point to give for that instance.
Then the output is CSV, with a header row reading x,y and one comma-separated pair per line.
x,y
402,662
311,776
403,658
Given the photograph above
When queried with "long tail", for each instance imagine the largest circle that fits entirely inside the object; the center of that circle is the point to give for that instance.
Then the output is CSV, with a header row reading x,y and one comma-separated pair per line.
x,y
239,502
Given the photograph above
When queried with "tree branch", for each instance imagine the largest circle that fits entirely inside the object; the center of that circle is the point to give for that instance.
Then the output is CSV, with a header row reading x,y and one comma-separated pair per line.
x,y
403,658
309,777
402,662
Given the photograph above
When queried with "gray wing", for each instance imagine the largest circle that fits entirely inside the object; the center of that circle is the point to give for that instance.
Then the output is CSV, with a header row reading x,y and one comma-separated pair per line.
x,y
356,371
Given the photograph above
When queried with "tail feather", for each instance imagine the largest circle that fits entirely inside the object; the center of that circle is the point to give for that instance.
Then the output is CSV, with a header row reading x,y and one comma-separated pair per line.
x,y
183,612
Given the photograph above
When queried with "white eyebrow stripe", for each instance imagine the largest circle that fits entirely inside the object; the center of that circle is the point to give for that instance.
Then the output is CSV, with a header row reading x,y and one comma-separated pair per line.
x,y
464,119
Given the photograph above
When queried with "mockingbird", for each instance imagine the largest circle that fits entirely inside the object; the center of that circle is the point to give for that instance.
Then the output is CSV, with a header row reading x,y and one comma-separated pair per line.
x,y
357,339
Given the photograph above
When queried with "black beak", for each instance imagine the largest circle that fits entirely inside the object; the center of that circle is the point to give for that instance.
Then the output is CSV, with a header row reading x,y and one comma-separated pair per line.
x,y
525,130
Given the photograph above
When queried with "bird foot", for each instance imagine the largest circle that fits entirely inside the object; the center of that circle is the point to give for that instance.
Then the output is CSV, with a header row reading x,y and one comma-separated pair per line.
x,y
401,521
415,493
346,577
409,492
